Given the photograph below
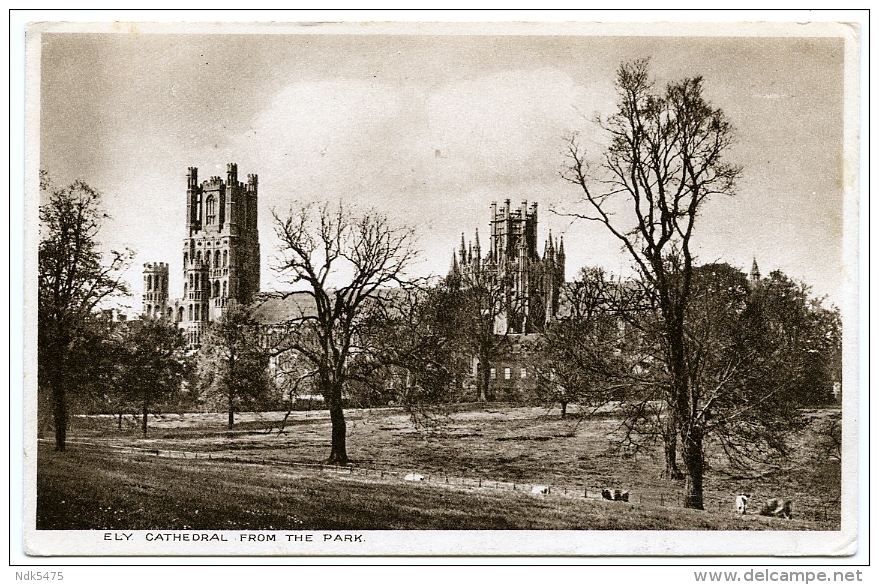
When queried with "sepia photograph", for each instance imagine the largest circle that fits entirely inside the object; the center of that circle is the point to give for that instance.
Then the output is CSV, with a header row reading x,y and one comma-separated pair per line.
x,y
441,289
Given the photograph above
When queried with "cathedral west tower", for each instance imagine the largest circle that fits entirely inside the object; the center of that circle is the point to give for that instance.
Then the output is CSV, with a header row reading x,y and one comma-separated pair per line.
x,y
220,251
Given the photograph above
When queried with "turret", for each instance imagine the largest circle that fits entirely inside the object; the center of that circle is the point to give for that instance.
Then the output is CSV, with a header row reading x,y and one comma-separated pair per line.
x,y
477,250
548,249
560,261
192,192
492,234
454,272
192,177
755,271
155,289
251,198
231,174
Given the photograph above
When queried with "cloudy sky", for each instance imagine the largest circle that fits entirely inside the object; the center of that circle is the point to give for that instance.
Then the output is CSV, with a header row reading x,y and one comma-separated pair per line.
x,y
432,129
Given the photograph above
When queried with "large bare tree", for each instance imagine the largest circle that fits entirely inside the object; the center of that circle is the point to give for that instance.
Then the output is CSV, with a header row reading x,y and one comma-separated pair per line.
x,y
346,260
665,159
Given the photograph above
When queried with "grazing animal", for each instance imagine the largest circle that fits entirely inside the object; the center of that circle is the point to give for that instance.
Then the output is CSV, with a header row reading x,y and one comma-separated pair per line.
x,y
540,489
742,503
414,477
615,495
778,508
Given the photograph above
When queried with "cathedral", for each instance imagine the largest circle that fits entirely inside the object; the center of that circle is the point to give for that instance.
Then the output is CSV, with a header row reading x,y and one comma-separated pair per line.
x,y
528,286
220,254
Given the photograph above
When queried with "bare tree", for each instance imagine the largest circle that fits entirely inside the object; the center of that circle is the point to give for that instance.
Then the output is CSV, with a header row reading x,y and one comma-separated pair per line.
x,y
479,298
346,261
74,278
665,159
575,360
415,341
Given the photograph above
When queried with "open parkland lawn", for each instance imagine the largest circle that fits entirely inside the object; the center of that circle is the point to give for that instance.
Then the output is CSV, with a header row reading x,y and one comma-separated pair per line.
x,y
191,472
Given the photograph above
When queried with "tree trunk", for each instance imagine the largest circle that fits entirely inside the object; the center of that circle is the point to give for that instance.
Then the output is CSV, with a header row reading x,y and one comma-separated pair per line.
x,y
484,379
145,413
670,444
677,398
59,412
120,420
564,408
230,389
338,453
691,443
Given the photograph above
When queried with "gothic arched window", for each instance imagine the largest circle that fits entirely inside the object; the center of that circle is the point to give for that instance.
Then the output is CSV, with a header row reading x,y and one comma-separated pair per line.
x,y
211,211
180,314
217,259
216,288
150,282
224,288
225,258
190,312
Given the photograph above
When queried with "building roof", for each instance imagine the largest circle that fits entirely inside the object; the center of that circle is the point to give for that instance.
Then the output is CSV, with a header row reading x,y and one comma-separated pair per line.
x,y
274,308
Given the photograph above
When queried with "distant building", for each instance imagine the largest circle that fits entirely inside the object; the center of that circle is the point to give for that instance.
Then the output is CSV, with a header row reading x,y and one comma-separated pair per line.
x,y
531,285
220,254
528,290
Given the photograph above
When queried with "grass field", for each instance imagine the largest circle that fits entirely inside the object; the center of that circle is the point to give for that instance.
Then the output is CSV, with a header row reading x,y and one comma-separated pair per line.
x,y
478,467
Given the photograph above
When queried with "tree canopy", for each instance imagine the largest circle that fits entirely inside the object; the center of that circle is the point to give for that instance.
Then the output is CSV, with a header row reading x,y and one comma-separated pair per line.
x,y
152,364
233,362
75,277
666,157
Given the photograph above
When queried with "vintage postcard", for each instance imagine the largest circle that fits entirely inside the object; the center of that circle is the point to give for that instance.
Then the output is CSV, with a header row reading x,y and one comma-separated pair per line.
x,y
558,289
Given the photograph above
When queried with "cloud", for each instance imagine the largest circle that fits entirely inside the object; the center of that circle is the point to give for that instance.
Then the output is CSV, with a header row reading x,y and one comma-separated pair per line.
x,y
314,132
379,141
773,96
506,127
